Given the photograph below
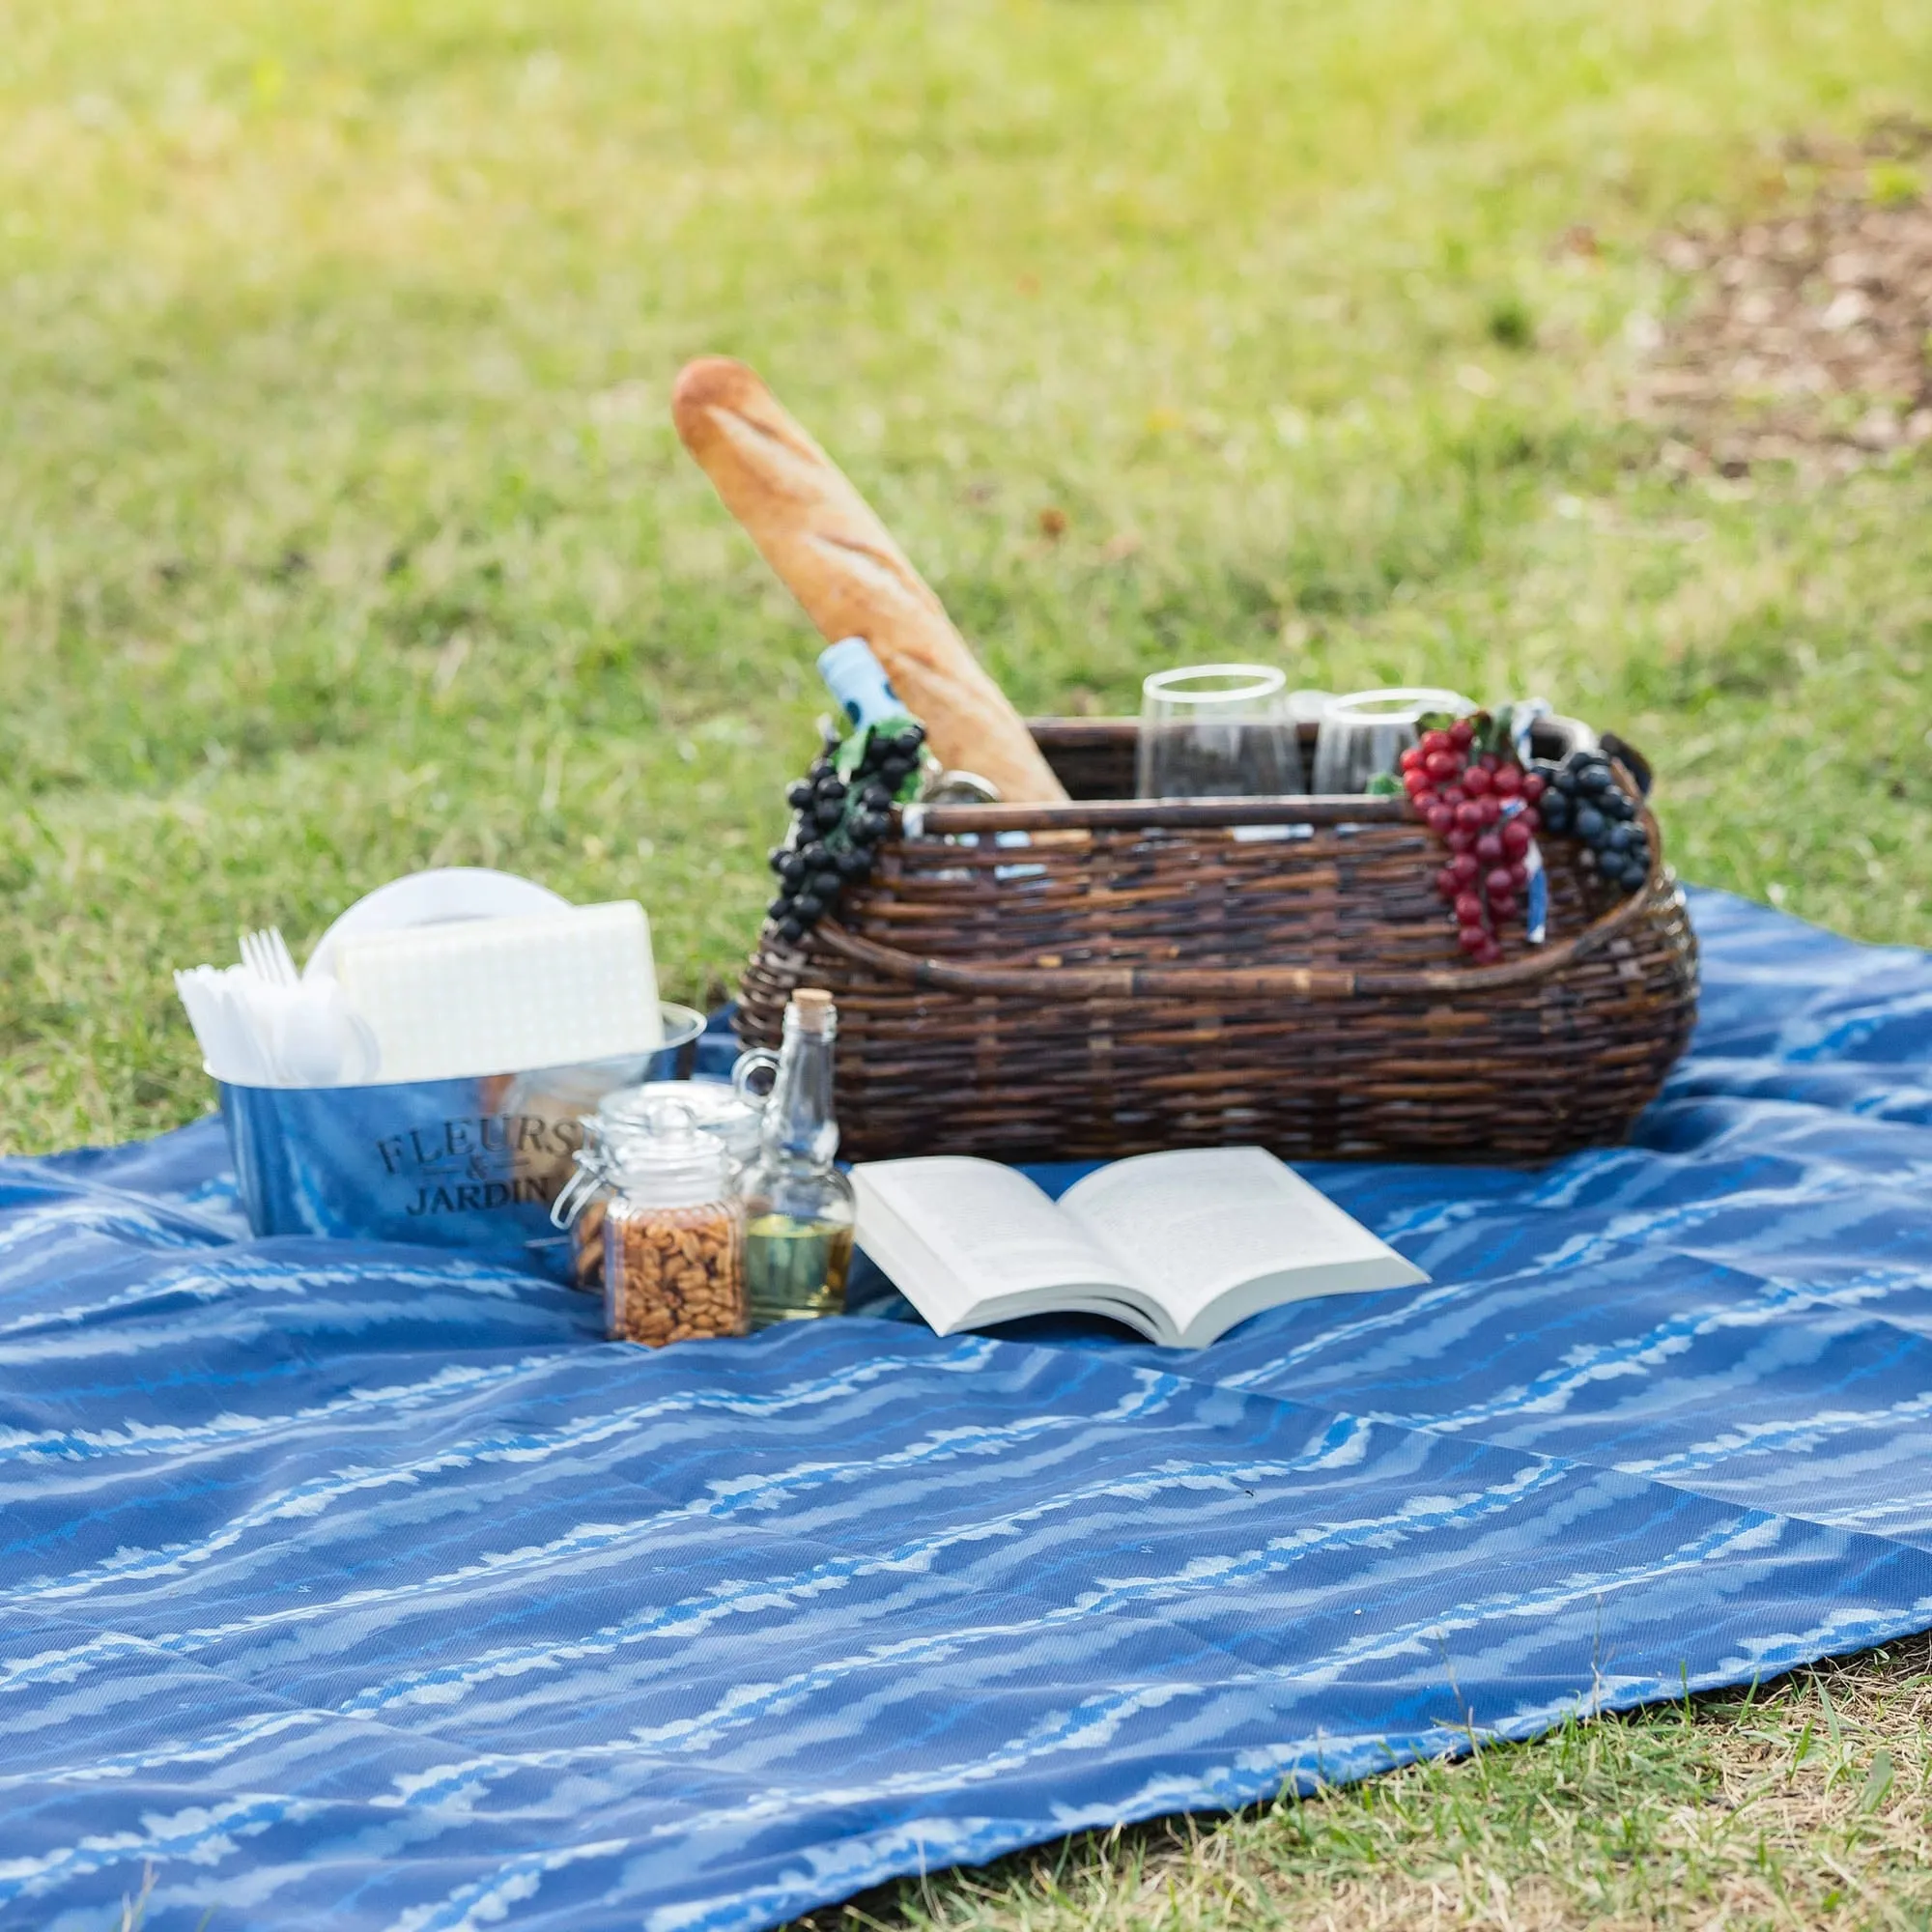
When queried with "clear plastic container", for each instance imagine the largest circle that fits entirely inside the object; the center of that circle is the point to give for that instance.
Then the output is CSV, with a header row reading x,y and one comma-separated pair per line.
x,y
673,1235
1367,732
1219,731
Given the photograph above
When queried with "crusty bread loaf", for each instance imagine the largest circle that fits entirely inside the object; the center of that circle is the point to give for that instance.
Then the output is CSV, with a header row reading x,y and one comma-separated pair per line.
x,y
835,558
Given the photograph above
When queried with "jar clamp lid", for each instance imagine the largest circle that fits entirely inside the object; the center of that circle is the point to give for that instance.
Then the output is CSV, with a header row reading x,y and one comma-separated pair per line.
x,y
711,1103
673,1163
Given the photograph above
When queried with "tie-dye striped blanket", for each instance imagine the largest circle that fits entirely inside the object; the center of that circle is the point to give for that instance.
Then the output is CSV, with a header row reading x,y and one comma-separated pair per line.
x,y
365,1587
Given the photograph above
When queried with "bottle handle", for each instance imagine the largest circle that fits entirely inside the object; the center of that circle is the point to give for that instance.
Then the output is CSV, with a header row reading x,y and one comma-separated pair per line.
x,y
746,1066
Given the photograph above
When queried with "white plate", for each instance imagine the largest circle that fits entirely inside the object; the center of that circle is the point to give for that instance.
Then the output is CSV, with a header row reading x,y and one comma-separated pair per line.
x,y
431,899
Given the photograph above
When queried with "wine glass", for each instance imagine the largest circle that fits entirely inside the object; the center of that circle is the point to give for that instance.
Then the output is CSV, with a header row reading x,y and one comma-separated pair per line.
x,y
1216,731
1368,732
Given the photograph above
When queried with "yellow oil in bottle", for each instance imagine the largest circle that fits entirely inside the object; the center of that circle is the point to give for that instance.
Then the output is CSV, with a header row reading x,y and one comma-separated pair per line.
x,y
795,1269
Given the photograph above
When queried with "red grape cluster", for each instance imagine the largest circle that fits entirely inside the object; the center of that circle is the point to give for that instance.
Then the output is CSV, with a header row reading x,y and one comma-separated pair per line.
x,y
1462,792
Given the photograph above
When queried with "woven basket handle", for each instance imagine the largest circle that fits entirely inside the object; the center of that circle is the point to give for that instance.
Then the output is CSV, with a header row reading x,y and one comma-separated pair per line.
x,y
1048,982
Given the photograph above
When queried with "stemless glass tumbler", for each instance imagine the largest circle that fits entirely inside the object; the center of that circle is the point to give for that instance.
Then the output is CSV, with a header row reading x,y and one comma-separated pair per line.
x,y
1216,731
1366,733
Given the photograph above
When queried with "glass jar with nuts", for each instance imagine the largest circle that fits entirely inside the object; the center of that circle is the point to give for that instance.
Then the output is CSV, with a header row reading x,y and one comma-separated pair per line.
x,y
730,1110
673,1236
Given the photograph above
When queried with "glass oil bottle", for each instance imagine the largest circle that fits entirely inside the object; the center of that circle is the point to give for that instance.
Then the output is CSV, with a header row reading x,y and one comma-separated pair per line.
x,y
799,1208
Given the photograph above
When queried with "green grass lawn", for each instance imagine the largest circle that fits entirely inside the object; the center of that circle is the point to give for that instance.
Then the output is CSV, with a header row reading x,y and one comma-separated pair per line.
x,y
343,531
1802,1805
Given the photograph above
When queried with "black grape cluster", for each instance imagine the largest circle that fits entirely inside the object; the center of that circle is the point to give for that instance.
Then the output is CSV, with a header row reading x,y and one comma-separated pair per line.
x,y
1584,802
838,823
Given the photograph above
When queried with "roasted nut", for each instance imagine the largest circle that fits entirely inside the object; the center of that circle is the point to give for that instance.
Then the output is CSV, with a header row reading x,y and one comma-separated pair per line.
x,y
589,1235
674,1274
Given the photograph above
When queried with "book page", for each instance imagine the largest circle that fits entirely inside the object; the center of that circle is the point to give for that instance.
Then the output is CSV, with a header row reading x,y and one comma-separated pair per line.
x,y
1196,1224
987,1224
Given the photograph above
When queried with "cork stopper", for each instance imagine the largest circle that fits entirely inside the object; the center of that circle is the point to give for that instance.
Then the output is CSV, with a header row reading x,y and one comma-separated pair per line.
x,y
811,1007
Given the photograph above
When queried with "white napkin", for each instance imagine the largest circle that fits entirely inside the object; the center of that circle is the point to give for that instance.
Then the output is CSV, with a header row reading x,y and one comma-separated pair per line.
x,y
483,996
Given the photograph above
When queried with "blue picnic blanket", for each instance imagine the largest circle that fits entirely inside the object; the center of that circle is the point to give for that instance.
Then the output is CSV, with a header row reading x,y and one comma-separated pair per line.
x,y
366,1586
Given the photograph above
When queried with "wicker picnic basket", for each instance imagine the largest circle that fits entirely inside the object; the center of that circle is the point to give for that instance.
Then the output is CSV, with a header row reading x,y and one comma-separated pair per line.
x,y
1272,971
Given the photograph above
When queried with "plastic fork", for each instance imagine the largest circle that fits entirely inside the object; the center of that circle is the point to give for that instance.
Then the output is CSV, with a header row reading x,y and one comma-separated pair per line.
x,y
313,1038
267,954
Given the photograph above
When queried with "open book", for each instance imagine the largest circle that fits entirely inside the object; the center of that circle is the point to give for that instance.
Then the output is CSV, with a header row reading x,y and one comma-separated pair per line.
x,y
1179,1245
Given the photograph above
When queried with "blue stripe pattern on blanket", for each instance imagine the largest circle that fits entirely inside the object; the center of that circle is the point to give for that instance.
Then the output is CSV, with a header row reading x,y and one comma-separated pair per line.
x,y
367,1586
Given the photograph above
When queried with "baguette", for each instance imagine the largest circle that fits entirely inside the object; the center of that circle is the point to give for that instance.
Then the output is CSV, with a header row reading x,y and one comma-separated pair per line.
x,y
833,554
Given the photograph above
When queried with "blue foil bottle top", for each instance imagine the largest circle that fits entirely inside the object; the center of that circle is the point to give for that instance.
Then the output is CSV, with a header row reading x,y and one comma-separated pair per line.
x,y
858,680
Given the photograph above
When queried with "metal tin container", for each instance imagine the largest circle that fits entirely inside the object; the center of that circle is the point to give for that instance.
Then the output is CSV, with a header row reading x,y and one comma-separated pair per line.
x,y
471,1164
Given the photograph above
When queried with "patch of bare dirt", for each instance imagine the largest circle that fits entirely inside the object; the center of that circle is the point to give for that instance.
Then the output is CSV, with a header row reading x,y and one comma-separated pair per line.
x,y
1808,335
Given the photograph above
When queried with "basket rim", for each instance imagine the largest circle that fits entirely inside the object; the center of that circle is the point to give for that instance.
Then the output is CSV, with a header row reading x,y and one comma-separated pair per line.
x,y
919,821
1093,814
